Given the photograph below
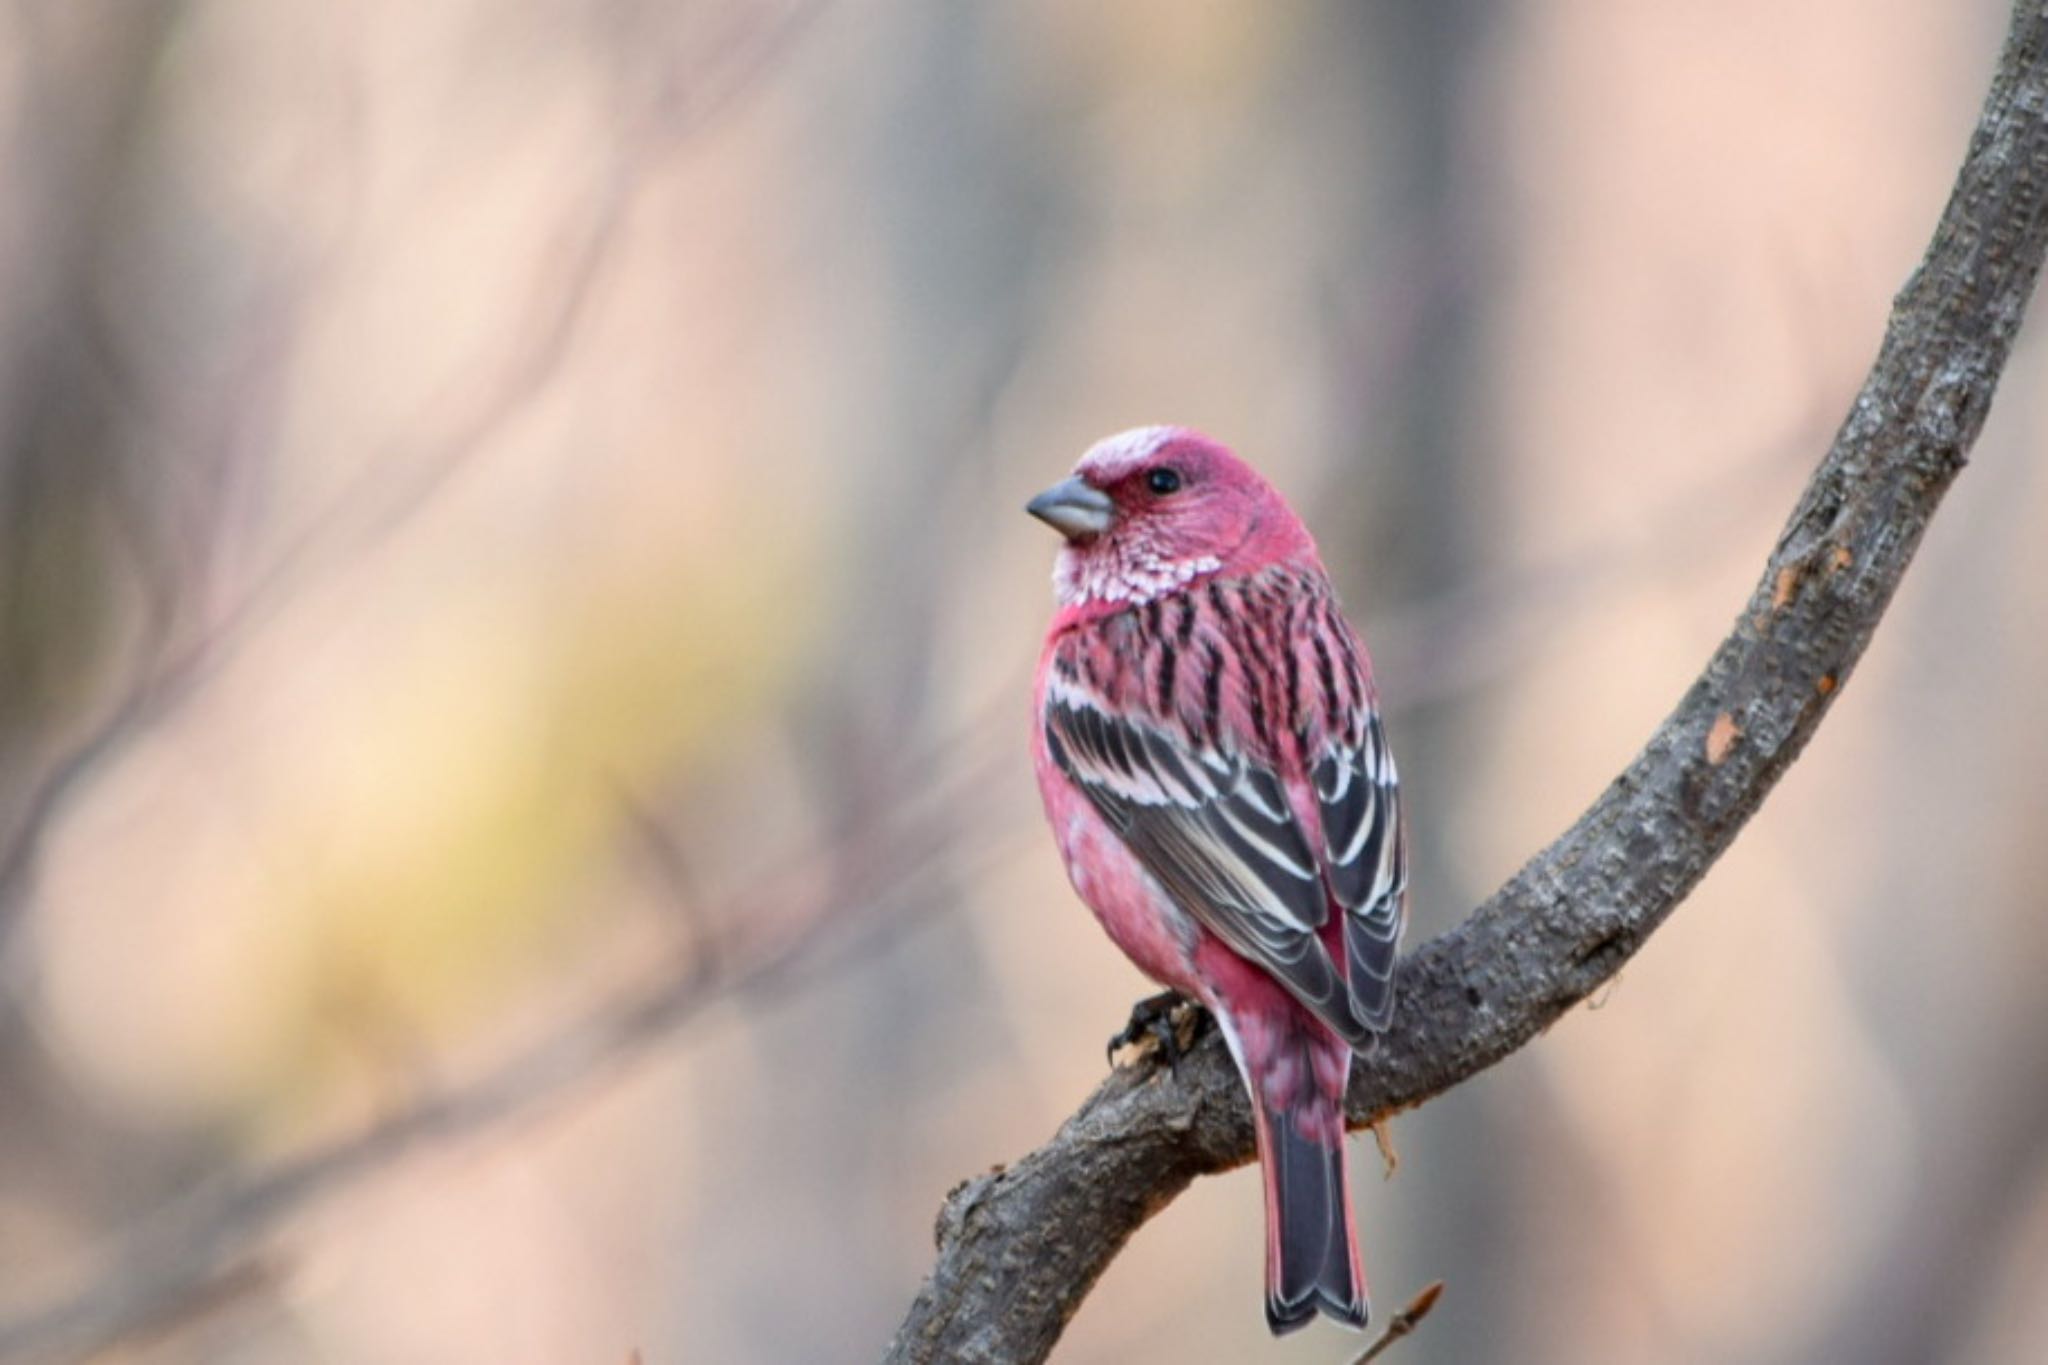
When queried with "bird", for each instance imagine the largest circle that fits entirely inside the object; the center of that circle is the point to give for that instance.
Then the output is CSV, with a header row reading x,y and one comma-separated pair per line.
x,y
1211,758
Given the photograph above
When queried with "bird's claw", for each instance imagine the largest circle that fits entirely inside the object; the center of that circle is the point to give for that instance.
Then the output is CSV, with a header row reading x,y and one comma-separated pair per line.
x,y
1161,1019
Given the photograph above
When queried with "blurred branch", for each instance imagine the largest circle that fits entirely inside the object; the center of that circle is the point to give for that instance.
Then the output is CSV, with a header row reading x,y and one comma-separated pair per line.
x,y
200,1249
1019,1248
1469,637
779,937
392,490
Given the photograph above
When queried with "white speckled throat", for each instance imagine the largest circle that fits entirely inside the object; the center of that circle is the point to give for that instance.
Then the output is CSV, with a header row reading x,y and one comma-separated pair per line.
x,y
1117,571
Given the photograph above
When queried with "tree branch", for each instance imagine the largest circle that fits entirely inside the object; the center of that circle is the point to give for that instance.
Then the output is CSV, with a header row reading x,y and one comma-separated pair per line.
x,y
1018,1249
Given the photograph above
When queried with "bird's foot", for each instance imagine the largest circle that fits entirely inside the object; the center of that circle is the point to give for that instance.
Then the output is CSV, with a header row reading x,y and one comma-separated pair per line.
x,y
1169,1021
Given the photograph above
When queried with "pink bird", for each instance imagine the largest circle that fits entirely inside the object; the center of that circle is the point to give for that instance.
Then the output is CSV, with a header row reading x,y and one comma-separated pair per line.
x,y
1212,761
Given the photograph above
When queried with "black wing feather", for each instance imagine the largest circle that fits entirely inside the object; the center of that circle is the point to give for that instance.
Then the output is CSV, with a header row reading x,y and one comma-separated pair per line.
x,y
1218,833
1366,861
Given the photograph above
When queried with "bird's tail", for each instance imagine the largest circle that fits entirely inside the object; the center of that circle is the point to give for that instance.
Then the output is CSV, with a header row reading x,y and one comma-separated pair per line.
x,y
1311,1247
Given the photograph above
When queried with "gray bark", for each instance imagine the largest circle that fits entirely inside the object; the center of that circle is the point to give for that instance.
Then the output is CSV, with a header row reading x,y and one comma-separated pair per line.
x,y
1019,1248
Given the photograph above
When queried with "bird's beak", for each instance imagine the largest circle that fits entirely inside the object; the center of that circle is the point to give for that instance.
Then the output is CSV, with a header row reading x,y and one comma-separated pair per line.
x,y
1073,509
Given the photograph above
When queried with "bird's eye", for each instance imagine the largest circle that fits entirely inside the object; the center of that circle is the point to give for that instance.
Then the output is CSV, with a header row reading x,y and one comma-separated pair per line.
x,y
1163,481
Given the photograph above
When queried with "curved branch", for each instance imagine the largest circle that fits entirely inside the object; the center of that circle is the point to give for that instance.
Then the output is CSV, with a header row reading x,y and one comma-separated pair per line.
x,y
1019,1248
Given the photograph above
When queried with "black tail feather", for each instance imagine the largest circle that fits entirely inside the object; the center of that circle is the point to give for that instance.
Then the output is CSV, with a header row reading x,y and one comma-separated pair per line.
x,y
1311,1253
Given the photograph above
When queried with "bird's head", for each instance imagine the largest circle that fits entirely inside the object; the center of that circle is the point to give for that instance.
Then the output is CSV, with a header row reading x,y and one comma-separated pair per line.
x,y
1153,509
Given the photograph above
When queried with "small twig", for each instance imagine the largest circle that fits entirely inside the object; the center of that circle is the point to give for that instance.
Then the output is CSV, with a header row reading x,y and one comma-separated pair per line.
x,y
1383,1138
1405,1321
700,945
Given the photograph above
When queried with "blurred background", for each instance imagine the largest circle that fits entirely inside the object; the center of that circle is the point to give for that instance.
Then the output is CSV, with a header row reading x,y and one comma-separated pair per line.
x,y
516,834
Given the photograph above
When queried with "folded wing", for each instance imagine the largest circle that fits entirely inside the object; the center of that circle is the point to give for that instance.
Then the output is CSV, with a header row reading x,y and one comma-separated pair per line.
x,y
1216,830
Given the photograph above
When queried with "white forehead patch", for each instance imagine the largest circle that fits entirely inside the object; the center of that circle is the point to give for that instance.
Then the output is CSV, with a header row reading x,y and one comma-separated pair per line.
x,y
1115,456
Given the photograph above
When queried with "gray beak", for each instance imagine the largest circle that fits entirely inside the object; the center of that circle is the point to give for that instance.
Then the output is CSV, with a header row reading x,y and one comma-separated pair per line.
x,y
1073,509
